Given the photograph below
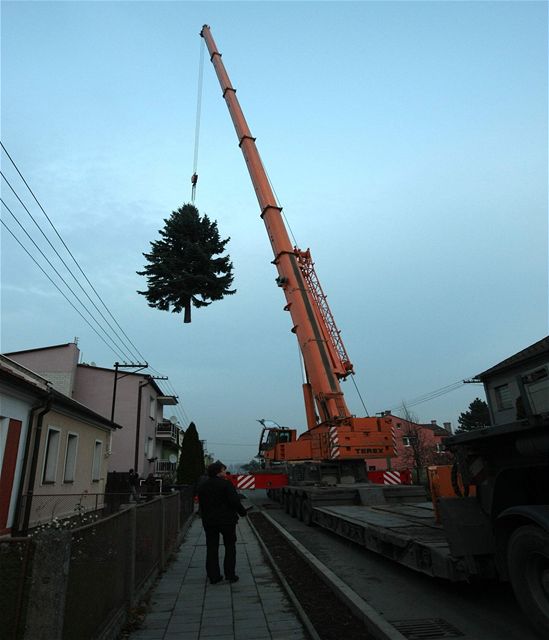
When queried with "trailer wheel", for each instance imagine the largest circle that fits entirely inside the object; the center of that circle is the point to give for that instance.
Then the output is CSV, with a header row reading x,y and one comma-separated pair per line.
x,y
528,561
299,508
287,502
294,506
307,512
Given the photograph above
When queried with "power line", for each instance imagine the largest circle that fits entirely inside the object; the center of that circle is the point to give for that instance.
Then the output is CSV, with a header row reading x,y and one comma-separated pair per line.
x,y
60,276
141,357
55,285
123,347
431,395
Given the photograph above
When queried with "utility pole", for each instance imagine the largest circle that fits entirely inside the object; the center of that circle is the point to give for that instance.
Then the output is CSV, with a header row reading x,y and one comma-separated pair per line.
x,y
118,366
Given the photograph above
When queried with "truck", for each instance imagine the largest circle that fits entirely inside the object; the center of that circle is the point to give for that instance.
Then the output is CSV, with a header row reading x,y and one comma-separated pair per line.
x,y
492,522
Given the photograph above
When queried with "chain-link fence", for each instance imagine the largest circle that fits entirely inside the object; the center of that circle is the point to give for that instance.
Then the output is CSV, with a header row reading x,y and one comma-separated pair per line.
x,y
171,522
43,509
113,559
186,503
147,542
99,568
15,576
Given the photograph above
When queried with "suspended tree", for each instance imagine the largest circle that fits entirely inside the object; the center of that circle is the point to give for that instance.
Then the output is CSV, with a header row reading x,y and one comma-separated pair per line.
x,y
191,460
182,268
478,416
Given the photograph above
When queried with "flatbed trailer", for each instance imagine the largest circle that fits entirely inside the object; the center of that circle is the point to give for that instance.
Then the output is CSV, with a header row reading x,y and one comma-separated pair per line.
x,y
501,532
401,526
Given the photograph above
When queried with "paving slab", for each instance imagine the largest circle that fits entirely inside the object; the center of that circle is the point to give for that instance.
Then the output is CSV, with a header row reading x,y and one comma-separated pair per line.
x,y
185,606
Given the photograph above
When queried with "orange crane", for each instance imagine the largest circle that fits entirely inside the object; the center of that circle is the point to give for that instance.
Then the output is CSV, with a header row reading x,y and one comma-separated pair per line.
x,y
334,434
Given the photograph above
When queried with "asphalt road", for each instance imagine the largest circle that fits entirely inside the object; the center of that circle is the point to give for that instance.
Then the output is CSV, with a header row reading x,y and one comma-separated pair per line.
x,y
482,611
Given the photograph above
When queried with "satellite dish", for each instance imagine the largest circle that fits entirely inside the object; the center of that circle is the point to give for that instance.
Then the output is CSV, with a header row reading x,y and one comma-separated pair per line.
x,y
172,458
173,419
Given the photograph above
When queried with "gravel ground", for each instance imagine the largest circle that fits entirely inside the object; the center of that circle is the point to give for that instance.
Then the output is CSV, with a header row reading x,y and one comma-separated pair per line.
x,y
331,618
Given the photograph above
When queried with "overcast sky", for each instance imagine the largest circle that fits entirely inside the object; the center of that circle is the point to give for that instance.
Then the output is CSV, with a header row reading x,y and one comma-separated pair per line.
x,y
407,142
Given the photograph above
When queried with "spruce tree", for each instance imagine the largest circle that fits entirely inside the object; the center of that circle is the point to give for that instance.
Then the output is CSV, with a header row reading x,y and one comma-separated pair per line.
x,y
478,416
182,269
191,460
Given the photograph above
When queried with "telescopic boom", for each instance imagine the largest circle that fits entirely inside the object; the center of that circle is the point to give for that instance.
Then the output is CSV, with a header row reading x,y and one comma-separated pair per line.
x,y
325,358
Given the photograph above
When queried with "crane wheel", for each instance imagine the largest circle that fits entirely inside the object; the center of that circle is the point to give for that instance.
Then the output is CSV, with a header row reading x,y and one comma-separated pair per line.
x,y
528,563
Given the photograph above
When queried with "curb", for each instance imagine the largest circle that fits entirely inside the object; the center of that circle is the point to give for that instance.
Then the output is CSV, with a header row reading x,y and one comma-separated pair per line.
x,y
375,623
300,611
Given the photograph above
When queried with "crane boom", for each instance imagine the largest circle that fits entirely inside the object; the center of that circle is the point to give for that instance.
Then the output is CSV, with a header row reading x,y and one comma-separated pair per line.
x,y
324,355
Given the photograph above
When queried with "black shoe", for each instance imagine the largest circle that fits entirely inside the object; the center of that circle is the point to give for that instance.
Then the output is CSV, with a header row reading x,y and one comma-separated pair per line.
x,y
216,580
233,578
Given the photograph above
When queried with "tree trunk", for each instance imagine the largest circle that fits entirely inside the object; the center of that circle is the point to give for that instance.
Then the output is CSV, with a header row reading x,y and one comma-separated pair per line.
x,y
187,317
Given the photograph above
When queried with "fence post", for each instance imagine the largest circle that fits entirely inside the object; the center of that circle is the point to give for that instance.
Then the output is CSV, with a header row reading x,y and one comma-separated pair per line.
x,y
162,533
130,554
48,589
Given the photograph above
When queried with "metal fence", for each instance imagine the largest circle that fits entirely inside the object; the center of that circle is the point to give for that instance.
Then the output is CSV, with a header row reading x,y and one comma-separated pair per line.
x,y
68,506
113,560
15,576
171,522
99,568
147,543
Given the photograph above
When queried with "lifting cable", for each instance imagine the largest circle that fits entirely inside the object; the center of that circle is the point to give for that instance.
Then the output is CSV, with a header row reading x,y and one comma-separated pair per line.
x,y
194,177
360,396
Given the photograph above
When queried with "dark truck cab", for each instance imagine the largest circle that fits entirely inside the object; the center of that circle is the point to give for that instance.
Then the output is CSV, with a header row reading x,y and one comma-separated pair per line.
x,y
504,529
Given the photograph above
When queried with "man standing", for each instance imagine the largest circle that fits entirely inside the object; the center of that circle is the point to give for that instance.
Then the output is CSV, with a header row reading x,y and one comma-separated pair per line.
x,y
220,507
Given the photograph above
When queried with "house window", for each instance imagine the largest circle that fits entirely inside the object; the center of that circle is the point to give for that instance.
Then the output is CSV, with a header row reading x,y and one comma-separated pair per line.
x,y
152,408
53,438
96,467
70,457
149,449
399,425
406,441
503,397
440,448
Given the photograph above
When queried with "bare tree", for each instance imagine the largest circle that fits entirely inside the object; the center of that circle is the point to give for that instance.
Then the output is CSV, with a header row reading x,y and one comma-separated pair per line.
x,y
419,451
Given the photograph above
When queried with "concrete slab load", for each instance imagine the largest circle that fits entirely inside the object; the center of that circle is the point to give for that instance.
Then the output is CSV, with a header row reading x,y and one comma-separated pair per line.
x,y
184,606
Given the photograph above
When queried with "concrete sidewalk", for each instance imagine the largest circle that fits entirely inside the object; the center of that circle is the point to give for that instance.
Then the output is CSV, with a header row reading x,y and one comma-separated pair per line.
x,y
185,606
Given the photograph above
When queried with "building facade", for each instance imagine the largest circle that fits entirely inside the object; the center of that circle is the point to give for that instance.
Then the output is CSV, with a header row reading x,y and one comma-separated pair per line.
x,y
148,442
526,371
415,445
53,451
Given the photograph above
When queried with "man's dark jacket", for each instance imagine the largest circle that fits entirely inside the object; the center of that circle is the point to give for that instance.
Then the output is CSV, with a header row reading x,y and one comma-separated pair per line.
x,y
219,502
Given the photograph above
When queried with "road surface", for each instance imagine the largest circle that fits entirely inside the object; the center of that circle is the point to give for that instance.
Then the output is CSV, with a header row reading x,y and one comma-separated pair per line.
x,y
481,611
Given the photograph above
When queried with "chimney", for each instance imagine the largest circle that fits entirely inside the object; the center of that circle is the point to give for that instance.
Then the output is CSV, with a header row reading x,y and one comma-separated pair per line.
x,y
448,426
387,412
434,423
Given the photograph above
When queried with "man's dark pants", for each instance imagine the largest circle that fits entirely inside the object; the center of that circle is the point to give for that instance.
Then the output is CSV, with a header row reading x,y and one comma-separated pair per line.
x,y
228,531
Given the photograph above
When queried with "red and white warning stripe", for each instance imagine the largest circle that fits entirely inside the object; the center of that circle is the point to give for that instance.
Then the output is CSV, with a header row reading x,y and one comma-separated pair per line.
x,y
392,477
334,443
245,482
394,440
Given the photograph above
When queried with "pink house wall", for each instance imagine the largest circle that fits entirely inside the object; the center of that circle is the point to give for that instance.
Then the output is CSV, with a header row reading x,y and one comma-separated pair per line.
x,y
94,388
57,364
403,459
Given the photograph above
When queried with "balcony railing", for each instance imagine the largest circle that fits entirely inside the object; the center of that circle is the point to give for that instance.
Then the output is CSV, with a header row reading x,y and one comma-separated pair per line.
x,y
165,466
168,431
